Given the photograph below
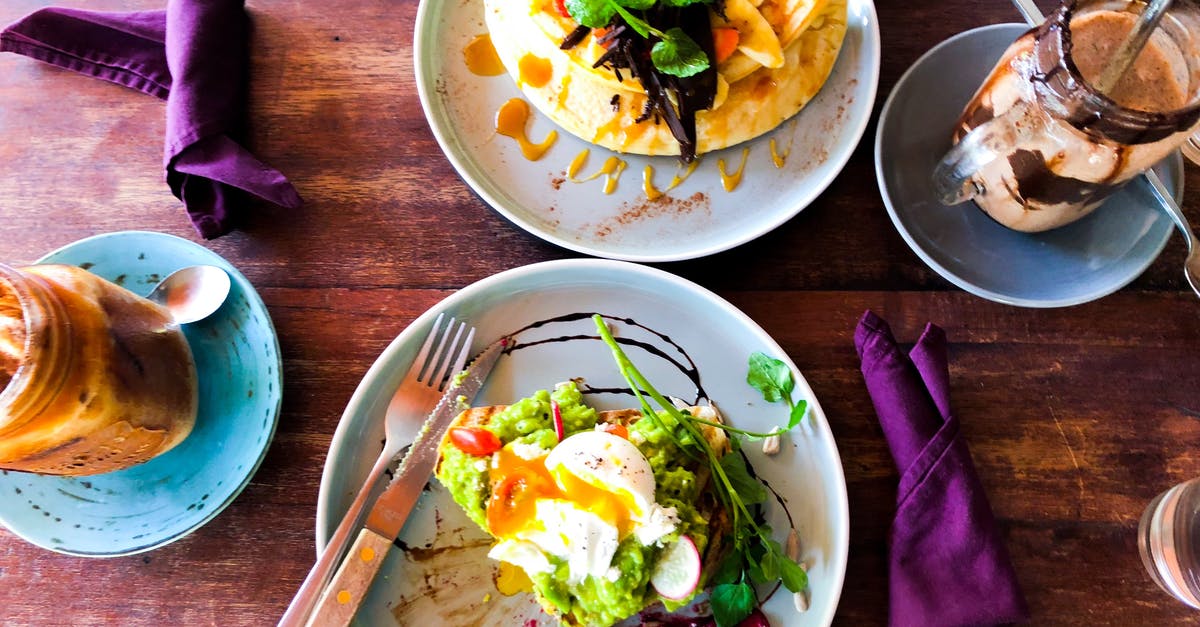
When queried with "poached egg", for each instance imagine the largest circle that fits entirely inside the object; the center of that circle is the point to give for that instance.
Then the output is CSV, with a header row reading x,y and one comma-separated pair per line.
x,y
576,502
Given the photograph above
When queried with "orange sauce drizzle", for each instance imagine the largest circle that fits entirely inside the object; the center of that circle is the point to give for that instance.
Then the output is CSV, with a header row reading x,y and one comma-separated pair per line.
x,y
777,157
652,192
730,181
510,122
611,170
481,58
534,71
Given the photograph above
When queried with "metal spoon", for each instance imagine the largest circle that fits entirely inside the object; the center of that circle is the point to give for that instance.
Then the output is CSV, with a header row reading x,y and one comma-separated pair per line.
x,y
1191,266
192,293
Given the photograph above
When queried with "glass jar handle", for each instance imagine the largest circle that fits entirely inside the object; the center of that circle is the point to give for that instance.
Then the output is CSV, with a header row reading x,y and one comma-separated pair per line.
x,y
984,144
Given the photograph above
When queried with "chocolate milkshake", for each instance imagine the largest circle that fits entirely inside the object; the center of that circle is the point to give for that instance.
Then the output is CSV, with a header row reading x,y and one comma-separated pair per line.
x,y
1049,148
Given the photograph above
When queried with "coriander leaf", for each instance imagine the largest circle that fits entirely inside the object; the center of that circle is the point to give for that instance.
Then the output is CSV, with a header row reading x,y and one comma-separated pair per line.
x,y
591,13
639,5
770,376
798,411
731,603
747,487
684,3
676,54
794,578
644,29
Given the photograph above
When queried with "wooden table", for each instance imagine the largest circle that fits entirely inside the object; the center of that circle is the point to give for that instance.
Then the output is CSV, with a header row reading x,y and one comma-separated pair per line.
x,y
1076,417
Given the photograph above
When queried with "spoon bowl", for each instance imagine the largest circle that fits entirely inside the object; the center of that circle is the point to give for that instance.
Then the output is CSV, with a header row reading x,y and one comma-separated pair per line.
x,y
193,293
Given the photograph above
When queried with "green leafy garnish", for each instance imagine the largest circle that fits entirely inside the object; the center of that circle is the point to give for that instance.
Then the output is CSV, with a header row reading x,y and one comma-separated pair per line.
x,y
677,54
756,557
773,378
674,53
731,602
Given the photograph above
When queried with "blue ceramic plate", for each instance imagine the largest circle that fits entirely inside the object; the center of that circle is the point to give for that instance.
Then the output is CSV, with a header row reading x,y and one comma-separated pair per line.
x,y
440,573
1077,263
164,499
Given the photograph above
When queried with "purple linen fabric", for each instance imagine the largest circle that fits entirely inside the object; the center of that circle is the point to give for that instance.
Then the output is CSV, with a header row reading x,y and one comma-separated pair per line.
x,y
947,564
194,55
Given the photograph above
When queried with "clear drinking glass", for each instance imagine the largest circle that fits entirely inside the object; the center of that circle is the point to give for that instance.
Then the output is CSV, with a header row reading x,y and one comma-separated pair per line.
x,y
1169,541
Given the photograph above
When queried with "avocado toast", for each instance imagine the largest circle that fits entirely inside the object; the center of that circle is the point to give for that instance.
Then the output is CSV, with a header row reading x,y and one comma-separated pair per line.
x,y
586,503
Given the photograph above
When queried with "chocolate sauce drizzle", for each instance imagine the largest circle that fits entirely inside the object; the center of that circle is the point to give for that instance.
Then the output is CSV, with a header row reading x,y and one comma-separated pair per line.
x,y
689,369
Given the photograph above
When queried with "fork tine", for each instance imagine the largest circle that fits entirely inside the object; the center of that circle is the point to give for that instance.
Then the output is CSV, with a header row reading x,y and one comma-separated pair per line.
x,y
438,355
460,360
418,364
449,356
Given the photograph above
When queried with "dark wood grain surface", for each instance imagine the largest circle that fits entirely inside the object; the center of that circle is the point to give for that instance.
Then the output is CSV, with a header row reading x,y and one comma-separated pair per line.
x,y
1076,417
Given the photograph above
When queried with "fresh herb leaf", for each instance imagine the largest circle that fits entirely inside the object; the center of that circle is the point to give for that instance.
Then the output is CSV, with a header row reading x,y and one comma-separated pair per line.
x,y
684,3
637,5
773,378
769,564
770,376
798,411
591,13
750,490
678,55
794,578
636,23
731,603
729,570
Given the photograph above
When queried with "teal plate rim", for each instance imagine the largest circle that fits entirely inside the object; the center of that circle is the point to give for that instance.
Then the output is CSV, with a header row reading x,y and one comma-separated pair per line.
x,y
185,488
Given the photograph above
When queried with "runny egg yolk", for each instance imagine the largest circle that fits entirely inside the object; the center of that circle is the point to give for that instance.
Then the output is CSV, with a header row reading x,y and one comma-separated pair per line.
x,y
518,483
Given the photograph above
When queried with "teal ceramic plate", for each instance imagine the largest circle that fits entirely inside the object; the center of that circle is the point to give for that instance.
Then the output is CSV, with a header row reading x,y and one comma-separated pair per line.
x,y
164,499
687,339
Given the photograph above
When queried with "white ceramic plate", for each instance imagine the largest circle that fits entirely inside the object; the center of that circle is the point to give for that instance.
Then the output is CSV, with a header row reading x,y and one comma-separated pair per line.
x,y
439,574
697,218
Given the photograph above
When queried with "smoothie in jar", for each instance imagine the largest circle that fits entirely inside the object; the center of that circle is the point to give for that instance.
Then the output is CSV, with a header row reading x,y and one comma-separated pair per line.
x,y
1061,147
93,377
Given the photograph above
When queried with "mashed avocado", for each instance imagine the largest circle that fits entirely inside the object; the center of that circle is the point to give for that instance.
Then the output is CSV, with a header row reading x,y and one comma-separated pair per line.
x,y
595,600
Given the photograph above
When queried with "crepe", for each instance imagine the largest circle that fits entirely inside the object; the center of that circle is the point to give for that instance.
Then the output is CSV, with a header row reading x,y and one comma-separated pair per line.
x,y
786,51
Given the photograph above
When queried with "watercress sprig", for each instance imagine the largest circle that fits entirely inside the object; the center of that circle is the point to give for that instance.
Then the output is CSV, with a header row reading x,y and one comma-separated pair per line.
x,y
773,378
674,53
756,557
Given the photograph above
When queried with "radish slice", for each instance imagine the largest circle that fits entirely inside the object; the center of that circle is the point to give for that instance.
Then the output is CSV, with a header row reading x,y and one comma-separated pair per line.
x,y
677,572
559,429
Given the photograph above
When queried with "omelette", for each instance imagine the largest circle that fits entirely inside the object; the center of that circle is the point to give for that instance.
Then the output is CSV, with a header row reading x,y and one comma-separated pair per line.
x,y
764,60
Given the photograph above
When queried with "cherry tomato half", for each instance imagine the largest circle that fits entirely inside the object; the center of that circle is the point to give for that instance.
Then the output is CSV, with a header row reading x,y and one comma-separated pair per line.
x,y
475,440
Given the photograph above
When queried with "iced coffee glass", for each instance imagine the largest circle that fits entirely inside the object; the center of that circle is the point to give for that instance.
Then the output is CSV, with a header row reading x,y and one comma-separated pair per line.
x,y
1038,146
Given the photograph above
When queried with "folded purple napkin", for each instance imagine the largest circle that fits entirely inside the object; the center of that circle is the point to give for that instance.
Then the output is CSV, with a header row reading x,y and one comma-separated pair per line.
x,y
194,55
948,565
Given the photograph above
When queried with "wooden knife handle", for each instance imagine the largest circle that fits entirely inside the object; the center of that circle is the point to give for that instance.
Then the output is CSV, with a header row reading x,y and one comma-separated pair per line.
x,y
345,592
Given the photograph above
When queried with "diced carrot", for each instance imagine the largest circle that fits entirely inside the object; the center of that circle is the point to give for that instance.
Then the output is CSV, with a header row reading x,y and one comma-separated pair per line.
x,y
725,41
599,33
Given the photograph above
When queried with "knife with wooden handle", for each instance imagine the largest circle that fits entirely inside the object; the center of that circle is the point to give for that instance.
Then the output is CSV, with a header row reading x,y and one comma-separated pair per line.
x,y
345,592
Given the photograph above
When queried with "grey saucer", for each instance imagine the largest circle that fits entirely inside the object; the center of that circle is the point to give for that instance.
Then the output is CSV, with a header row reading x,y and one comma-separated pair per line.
x,y
1074,264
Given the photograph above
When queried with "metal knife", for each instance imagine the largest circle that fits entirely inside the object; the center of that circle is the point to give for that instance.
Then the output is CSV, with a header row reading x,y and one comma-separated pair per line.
x,y
344,593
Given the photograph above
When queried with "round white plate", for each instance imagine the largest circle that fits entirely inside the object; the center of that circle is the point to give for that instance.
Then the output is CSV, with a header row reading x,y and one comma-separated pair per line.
x,y
695,219
1082,261
439,573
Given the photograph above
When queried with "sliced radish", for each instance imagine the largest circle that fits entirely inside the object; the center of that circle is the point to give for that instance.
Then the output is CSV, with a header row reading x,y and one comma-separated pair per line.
x,y
559,429
677,572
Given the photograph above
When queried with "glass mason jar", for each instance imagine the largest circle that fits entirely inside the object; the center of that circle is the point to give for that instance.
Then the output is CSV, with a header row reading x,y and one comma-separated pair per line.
x,y
1039,146
93,377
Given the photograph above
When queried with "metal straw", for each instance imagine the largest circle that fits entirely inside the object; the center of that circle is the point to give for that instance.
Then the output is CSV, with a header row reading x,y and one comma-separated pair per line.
x,y
1129,49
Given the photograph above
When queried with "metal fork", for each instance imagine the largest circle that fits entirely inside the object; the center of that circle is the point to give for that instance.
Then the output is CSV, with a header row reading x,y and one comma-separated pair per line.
x,y
417,395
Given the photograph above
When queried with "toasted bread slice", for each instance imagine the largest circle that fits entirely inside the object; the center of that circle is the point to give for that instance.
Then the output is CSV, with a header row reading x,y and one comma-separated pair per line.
x,y
709,505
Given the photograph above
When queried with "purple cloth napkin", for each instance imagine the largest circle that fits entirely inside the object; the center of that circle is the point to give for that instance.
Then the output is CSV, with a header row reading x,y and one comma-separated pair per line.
x,y
948,565
194,55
